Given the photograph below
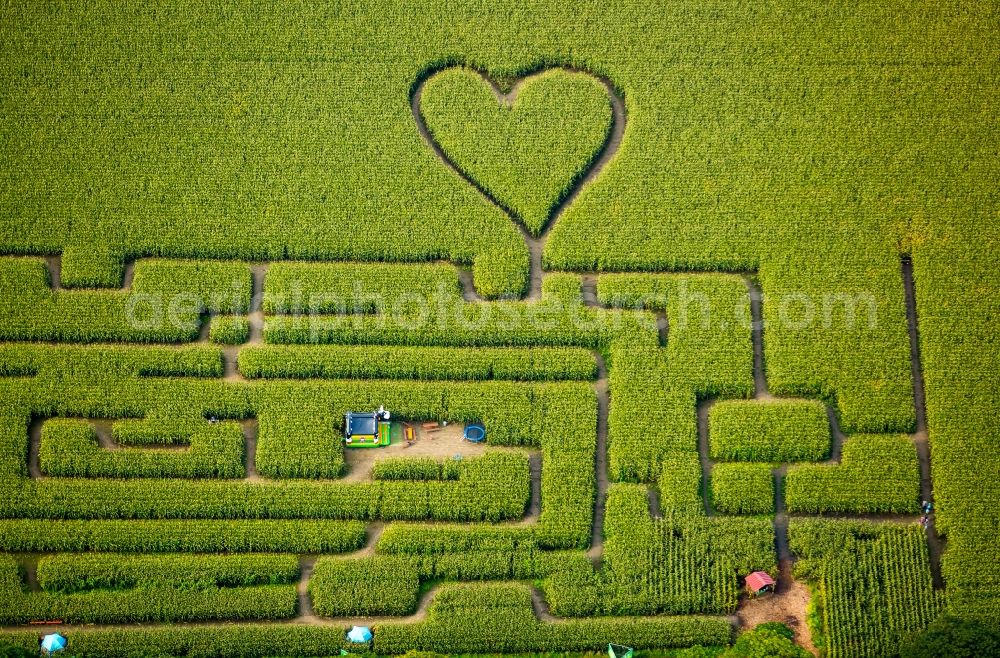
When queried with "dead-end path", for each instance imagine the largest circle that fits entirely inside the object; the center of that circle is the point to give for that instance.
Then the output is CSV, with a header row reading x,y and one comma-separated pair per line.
x,y
54,266
29,563
704,454
540,607
249,427
596,552
306,565
535,501
34,446
255,318
761,390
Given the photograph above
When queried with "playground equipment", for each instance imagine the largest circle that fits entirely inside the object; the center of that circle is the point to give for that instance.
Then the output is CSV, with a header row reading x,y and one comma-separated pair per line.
x,y
367,430
474,433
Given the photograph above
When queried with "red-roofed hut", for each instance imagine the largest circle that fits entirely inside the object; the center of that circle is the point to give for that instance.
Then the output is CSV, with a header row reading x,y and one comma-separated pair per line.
x,y
759,583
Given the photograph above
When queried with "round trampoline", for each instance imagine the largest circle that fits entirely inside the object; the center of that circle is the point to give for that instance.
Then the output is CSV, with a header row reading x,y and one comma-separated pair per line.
x,y
474,433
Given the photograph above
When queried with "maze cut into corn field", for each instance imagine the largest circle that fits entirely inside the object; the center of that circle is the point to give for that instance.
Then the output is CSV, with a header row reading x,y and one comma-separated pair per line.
x,y
653,297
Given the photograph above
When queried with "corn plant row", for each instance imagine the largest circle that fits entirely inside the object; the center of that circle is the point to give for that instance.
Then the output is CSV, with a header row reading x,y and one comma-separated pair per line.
x,y
415,468
542,323
69,448
567,426
432,540
299,422
774,431
164,304
521,564
229,329
373,587
68,573
873,579
493,487
351,288
427,363
678,565
186,536
655,391
742,488
152,604
680,483
494,628
467,618
108,360
877,474
957,289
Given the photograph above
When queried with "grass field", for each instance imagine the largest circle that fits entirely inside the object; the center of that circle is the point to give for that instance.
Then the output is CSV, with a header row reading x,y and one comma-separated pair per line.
x,y
718,279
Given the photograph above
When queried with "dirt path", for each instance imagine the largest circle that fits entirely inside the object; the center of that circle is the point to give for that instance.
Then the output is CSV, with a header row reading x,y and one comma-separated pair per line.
x,y
255,319
29,563
761,390
535,503
34,445
653,500
54,265
535,245
596,552
540,606
306,565
258,272
704,454
250,429
781,543
921,441
469,293
836,434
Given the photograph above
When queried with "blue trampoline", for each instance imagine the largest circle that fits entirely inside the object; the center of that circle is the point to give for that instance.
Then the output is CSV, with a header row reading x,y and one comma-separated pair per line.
x,y
474,433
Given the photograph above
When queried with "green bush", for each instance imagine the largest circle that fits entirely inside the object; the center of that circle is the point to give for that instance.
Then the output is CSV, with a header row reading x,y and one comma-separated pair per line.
x,y
770,640
952,637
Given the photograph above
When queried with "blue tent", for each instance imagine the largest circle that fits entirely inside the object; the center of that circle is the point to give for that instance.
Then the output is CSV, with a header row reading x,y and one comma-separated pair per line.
x,y
359,634
53,643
